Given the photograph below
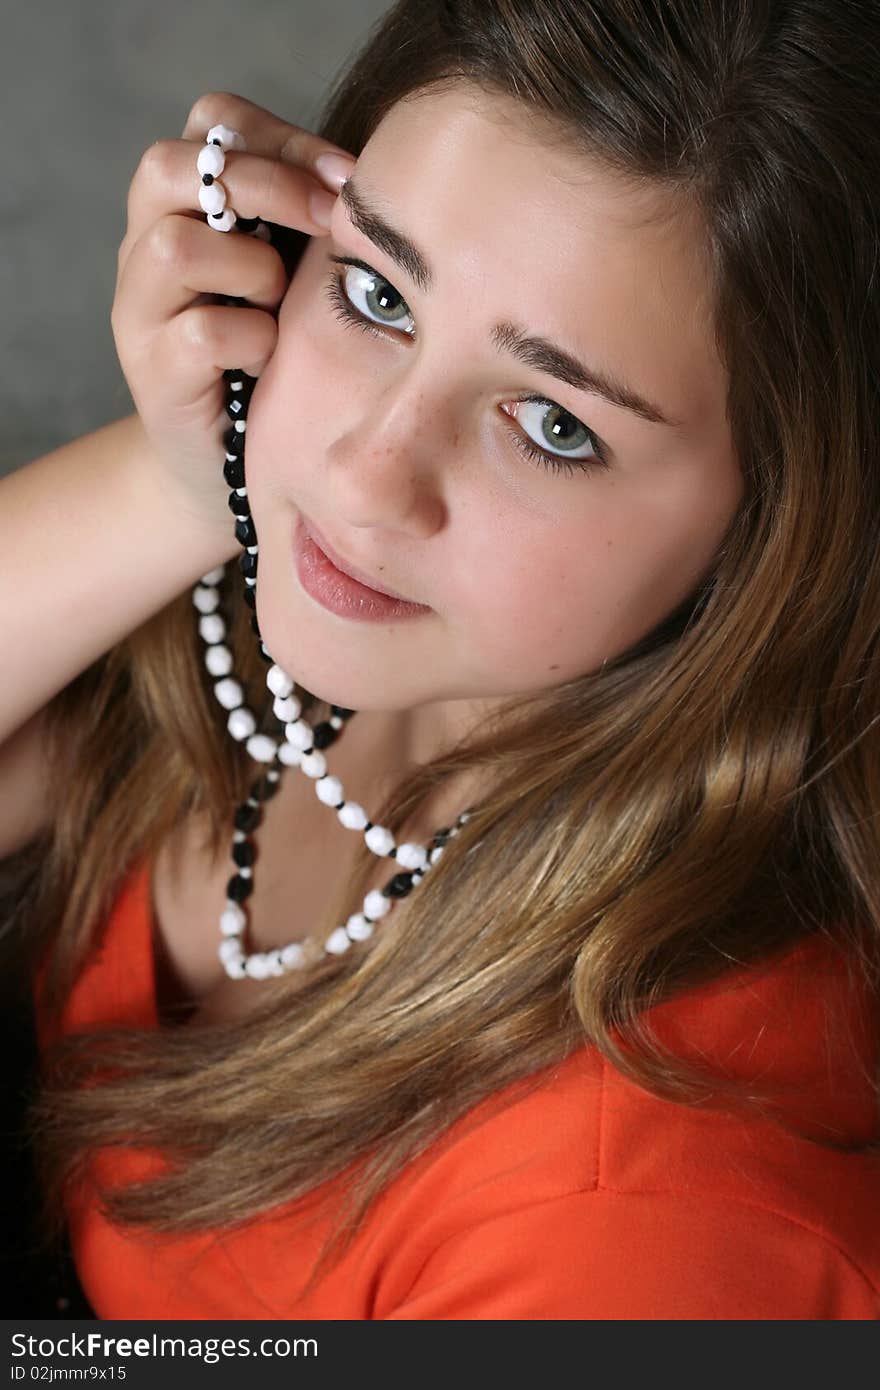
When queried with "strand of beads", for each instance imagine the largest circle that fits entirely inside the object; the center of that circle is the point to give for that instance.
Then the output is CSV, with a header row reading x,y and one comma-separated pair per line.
x,y
297,954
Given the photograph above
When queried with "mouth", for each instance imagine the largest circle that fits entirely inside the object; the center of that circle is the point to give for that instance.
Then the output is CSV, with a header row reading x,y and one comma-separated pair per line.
x,y
346,568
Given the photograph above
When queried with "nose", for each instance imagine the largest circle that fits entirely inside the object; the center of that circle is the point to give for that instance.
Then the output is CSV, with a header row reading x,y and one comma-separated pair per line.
x,y
385,469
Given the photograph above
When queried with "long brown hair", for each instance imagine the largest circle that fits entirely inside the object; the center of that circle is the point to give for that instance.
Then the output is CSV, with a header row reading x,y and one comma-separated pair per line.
x,y
706,800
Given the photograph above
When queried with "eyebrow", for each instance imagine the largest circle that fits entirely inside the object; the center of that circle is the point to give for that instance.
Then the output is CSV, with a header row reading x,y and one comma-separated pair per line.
x,y
533,351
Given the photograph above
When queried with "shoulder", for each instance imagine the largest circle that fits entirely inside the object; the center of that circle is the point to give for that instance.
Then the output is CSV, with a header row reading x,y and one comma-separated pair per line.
x,y
580,1195
523,1217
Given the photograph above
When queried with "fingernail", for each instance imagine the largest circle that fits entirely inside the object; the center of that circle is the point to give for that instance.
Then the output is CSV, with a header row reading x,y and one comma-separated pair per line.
x,y
321,206
334,169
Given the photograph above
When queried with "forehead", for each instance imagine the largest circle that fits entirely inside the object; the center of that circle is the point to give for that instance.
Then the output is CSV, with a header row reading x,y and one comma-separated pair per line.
x,y
514,216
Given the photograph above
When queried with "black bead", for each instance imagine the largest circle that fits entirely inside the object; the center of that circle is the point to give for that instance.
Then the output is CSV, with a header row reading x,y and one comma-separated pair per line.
x,y
325,734
264,790
399,885
243,853
241,386
233,373
247,224
368,826
250,597
247,818
247,563
233,440
233,472
341,712
239,506
215,142
239,888
208,179
441,837
245,532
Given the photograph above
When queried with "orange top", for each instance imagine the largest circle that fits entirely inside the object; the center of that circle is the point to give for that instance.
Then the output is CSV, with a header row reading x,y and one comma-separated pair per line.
x,y
586,1199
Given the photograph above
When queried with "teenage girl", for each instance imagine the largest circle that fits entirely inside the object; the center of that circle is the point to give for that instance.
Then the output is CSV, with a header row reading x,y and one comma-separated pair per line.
x,y
555,549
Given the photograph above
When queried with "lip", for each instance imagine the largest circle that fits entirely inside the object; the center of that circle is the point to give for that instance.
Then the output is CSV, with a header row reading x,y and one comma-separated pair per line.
x,y
338,591
336,559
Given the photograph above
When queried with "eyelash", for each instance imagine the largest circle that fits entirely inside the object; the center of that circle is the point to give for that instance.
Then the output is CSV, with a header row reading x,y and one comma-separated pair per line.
x,y
348,314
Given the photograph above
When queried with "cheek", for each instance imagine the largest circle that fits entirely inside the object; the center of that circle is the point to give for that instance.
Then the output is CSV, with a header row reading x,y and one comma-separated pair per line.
x,y
553,597
293,403
537,595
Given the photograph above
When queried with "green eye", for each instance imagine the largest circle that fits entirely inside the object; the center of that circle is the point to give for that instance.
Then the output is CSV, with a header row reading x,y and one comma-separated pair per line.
x,y
383,301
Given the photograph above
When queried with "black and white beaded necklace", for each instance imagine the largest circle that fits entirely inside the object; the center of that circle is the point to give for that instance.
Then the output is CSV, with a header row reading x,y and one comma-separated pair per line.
x,y
302,744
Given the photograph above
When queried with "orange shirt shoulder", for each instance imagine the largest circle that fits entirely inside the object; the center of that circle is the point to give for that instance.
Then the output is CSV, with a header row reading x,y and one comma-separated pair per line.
x,y
575,1195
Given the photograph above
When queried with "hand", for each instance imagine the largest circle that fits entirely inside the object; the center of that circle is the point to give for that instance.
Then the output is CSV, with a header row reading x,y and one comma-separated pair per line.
x,y
173,340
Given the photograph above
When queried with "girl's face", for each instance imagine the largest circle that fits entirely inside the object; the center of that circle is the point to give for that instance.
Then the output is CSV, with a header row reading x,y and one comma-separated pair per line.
x,y
402,443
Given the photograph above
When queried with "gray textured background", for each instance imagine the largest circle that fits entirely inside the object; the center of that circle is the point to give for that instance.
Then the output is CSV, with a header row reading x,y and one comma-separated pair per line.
x,y
87,86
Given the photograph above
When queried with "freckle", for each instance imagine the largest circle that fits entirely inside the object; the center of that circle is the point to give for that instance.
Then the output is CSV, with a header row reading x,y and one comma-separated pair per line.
x,y
554,667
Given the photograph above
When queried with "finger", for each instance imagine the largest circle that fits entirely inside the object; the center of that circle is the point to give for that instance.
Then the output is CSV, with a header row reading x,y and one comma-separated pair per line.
x,y
266,134
167,180
178,259
206,339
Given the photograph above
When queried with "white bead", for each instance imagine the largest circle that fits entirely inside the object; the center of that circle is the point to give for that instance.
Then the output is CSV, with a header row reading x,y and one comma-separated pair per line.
x,y
241,724
337,942
229,139
352,816
235,968
289,755
313,764
376,904
293,956
262,748
232,920
300,734
229,693
212,628
358,928
411,856
335,722
257,966
329,790
211,160
287,710
229,949
380,840
225,222
214,576
206,600
273,775
436,853
218,660
278,681
212,197
238,836
273,960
